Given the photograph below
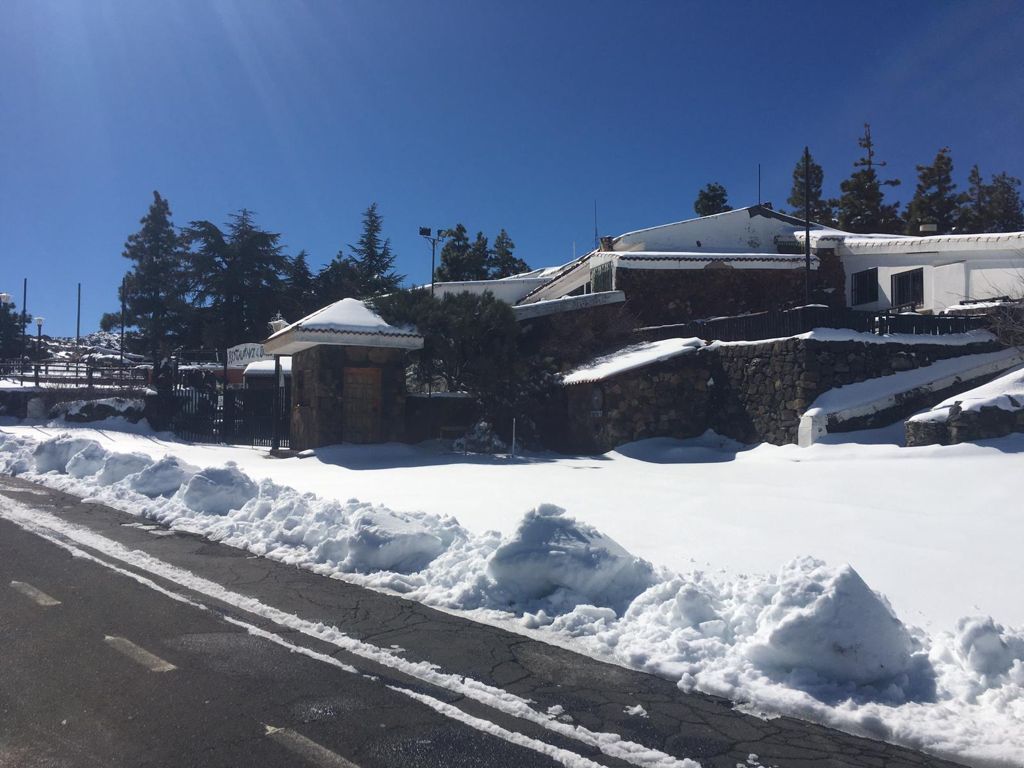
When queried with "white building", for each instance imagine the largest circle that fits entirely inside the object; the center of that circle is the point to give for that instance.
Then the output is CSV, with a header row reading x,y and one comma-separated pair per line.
x,y
928,274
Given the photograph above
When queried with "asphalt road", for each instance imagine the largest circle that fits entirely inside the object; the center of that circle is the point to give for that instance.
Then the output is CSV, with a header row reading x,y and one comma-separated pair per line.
x,y
122,646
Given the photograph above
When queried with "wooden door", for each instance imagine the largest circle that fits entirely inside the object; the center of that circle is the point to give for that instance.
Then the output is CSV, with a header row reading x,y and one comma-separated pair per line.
x,y
361,405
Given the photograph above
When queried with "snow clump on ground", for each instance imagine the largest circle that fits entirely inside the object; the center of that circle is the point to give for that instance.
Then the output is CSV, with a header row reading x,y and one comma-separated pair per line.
x,y
812,640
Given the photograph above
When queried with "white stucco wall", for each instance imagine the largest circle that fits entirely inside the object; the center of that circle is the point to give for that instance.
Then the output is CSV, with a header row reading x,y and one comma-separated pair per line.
x,y
730,232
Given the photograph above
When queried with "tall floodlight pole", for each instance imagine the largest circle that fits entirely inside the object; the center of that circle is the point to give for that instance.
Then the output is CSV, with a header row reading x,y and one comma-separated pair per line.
x,y
807,225
434,237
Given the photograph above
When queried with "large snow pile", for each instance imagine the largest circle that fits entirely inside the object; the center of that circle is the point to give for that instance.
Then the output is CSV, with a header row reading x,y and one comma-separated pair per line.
x,y
811,640
555,558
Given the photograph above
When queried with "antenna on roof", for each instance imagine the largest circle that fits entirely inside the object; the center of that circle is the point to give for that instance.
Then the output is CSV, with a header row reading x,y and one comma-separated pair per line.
x,y
758,183
595,224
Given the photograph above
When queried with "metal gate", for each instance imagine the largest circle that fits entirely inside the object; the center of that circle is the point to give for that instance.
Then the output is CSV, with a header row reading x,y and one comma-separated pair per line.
x,y
236,417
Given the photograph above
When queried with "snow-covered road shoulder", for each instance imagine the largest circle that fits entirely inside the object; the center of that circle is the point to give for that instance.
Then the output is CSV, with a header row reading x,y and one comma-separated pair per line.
x,y
812,639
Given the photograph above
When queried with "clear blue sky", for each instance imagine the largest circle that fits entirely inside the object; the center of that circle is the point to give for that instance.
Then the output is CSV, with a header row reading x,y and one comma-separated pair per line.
x,y
495,114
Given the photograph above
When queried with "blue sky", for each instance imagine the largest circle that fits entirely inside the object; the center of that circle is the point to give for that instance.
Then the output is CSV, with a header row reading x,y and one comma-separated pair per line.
x,y
496,114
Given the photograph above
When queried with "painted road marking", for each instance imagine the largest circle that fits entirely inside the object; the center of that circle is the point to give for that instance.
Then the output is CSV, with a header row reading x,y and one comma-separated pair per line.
x,y
38,596
307,749
139,655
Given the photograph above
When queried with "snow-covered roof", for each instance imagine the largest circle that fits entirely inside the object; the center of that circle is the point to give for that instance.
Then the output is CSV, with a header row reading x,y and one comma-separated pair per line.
x,y
1005,392
262,368
631,358
348,322
700,259
567,304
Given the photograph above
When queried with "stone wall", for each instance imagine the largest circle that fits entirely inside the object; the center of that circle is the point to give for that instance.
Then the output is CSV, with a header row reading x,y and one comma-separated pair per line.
x,y
763,388
318,393
749,392
965,426
666,296
670,399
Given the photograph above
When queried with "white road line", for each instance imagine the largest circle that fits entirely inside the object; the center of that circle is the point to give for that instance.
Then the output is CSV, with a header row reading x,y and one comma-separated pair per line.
x,y
307,749
37,595
139,655
58,531
563,756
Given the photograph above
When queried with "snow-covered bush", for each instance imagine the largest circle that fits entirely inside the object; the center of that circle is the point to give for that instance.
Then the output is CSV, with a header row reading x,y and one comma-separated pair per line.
x,y
480,439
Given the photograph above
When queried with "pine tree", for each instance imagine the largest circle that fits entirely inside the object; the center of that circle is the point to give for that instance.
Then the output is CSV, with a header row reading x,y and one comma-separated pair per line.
x,y
460,259
861,206
1005,213
822,211
337,280
155,286
11,332
711,199
935,200
993,207
502,263
372,260
973,206
300,288
238,277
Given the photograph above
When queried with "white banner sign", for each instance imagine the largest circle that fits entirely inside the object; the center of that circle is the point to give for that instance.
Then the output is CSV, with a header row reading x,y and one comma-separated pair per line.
x,y
241,355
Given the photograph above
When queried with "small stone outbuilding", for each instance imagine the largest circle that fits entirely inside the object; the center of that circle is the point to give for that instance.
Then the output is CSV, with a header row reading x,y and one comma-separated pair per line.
x,y
348,375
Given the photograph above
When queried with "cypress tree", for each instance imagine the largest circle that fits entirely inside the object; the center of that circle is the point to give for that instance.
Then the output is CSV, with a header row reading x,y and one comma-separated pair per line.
x,y
861,205
935,200
711,199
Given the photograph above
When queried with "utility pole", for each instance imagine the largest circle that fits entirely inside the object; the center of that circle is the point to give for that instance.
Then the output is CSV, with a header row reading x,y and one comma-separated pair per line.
x,y
24,317
807,225
78,320
124,290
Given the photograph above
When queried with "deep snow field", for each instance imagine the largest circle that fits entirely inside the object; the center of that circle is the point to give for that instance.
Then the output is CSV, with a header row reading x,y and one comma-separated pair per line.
x,y
748,573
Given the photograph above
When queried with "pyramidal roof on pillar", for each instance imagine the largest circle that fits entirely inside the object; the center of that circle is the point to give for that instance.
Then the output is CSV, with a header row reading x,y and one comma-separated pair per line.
x,y
349,323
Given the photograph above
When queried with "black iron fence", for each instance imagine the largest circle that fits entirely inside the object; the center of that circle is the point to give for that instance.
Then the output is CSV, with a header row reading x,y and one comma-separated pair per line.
x,y
779,324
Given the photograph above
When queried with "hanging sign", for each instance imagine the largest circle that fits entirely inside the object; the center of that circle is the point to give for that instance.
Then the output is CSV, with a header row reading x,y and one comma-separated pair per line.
x,y
241,355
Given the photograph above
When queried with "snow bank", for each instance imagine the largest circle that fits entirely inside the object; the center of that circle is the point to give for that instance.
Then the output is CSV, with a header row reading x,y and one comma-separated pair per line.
x,y
811,640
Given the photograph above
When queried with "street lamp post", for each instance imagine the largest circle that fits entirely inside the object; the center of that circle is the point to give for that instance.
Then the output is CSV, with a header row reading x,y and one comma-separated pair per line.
x,y
39,336
39,345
